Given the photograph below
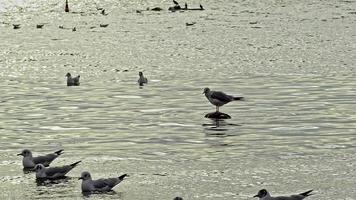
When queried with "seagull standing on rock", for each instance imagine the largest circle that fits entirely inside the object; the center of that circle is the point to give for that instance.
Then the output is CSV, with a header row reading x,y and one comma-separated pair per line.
x,y
28,161
264,195
100,185
218,98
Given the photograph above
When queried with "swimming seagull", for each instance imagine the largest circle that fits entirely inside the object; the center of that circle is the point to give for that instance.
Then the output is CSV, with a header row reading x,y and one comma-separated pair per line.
x,y
219,98
53,172
100,185
72,81
142,79
29,162
264,195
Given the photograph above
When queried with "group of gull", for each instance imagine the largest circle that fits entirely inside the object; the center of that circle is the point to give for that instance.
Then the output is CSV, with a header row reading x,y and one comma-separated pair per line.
x,y
41,164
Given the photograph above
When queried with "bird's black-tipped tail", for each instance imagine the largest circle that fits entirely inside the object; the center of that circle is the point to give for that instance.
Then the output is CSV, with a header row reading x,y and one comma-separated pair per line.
x,y
122,177
59,152
239,98
307,193
76,163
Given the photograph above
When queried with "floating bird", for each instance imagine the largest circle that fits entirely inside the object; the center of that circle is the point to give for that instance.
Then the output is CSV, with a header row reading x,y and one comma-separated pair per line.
x,y
103,11
100,185
39,25
219,98
29,162
66,9
104,25
142,80
53,172
190,24
72,81
264,195
156,9
74,29
16,26
178,198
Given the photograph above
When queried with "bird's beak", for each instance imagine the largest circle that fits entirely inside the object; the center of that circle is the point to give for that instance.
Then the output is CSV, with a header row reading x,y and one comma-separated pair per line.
x,y
20,154
80,178
203,92
256,195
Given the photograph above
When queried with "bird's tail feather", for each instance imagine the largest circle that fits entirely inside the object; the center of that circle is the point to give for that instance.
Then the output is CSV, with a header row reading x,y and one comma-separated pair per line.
x,y
238,98
59,152
307,193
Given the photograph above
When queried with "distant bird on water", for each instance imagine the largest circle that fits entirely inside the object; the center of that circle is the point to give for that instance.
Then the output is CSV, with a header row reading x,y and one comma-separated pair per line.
x,y
264,195
142,80
219,98
29,161
53,172
100,185
72,81
66,9
178,198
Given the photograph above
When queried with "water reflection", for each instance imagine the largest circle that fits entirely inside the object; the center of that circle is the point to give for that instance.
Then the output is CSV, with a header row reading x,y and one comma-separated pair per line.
x,y
218,125
50,182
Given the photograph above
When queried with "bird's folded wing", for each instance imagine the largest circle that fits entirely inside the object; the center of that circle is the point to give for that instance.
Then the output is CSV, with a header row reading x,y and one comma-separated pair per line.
x,y
221,96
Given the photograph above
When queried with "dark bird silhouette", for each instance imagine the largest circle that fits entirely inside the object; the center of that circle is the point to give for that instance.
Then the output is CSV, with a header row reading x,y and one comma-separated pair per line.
x,y
66,9
264,195
72,81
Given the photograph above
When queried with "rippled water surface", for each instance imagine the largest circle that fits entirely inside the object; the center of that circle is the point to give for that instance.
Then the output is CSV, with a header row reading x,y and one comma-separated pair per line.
x,y
293,61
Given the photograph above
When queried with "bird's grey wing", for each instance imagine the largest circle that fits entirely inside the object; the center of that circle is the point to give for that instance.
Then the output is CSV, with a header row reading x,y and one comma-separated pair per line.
x,y
101,184
45,160
221,96
106,184
293,197
58,171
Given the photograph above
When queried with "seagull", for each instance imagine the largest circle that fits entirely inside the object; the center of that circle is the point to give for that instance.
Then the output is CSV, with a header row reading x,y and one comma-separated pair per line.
x,y
264,195
219,98
142,79
72,81
29,162
53,172
100,185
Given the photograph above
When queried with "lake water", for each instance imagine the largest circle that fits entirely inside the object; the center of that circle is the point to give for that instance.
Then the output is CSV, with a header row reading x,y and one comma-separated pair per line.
x,y
293,61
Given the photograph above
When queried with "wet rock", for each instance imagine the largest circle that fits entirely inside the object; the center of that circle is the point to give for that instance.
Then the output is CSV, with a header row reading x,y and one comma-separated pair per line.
x,y
217,115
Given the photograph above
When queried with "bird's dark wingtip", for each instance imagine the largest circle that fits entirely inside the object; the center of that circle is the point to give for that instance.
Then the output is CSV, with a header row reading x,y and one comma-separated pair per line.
x,y
59,152
76,163
122,176
307,193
